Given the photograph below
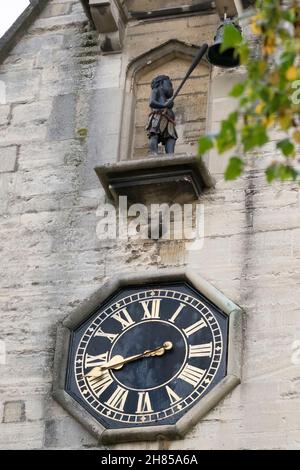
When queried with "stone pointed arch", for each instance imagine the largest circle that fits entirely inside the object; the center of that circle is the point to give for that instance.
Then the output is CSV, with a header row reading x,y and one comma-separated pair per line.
x,y
143,64
160,54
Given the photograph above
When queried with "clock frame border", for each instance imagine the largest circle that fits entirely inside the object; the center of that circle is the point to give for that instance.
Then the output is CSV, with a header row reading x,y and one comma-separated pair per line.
x,y
191,417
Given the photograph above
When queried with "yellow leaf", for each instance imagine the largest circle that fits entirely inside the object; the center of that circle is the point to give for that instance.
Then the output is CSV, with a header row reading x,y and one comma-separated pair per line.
x,y
259,108
292,73
285,121
269,45
274,78
268,121
262,67
268,50
296,136
256,29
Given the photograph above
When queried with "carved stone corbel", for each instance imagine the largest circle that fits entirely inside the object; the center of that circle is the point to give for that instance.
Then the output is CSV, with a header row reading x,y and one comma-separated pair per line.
x,y
109,17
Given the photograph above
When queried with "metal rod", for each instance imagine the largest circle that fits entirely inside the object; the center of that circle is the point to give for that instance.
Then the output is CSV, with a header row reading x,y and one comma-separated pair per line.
x,y
202,51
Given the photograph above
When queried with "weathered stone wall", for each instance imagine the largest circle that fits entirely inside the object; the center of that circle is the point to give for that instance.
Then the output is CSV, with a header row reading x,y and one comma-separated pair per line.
x,y
62,116
142,36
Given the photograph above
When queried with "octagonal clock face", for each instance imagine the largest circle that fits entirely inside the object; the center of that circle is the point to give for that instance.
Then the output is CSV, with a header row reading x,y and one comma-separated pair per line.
x,y
147,356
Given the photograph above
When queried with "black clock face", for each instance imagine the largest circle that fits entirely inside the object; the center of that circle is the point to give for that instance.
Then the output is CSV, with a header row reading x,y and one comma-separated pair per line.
x,y
147,356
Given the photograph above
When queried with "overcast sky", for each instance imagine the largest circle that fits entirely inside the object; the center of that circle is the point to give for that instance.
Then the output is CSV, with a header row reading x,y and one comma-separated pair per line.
x,y
9,12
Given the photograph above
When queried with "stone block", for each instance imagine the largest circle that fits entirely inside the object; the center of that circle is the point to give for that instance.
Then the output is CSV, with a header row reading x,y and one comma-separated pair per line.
x,y
38,111
16,62
45,181
104,128
26,435
200,21
21,85
49,154
142,29
218,162
35,407
8,159
67,433
61,124
192,130
6,183
138,42
14,412
222,107
59,22
191,107
176,68
4,114
35,44
18,135
57,9
108,71
222,85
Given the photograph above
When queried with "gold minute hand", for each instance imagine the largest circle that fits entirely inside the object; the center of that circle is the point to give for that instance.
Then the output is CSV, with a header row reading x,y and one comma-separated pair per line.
x,y
117,362
160,351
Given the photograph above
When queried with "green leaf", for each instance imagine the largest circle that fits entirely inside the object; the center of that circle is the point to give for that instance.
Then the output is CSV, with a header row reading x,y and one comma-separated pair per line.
x,y
289,15
264,93
233,118
231,38
244,52
271,173
237,90
234,168
287,59
254,136
205,143
226,139
287,172
281,172
287,147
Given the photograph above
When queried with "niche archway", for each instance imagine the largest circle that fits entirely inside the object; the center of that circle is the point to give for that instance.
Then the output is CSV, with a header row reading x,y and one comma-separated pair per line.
x,y
171,58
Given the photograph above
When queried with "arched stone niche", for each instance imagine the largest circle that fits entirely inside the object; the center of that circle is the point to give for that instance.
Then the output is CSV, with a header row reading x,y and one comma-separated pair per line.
x,y
171,58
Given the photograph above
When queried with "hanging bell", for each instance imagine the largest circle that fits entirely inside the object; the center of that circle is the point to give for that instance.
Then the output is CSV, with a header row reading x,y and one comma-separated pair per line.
x,y
228,58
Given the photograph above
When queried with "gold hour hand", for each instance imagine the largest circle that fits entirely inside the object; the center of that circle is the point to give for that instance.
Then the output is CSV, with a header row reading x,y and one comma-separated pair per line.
x,y
117,362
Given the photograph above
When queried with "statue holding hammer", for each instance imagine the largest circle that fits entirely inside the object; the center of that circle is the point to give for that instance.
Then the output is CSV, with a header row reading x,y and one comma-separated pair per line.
x,y
161,123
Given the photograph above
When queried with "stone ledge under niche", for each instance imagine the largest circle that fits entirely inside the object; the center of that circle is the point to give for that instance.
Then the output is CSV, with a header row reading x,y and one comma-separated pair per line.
x,y
156,179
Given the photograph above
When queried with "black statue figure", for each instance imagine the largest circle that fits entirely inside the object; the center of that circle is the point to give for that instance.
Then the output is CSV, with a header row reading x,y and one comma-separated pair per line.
x,y
161,124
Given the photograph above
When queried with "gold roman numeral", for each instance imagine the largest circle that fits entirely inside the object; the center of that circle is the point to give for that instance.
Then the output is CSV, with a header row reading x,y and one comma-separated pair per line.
x,y
195,327
144,403
95,361
100,384
174,398
124,318
151,308
118,399
192,375
173,318
109,336
201,350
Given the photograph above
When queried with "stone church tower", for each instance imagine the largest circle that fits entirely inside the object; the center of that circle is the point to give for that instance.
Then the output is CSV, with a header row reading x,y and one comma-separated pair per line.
x,y
75,81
